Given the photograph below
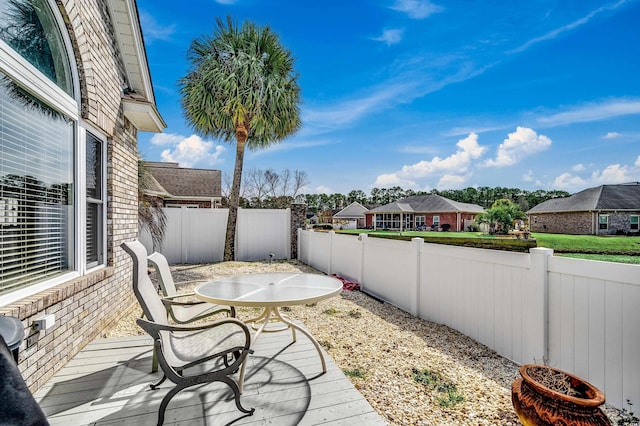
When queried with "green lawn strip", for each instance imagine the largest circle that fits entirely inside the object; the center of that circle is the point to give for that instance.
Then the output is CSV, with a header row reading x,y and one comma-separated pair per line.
x,y
603,257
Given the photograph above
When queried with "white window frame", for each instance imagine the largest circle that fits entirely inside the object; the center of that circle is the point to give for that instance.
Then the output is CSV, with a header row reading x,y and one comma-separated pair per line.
x,y
40,86
606,224
637,224
435,220
81,196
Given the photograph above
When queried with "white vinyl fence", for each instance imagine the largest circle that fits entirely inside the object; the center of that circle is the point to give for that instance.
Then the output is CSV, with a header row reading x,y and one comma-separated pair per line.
x,y
578,315
197,235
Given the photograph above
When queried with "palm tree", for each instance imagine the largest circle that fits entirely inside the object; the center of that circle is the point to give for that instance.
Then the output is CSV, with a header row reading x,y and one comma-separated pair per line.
x,y
241,86
150,214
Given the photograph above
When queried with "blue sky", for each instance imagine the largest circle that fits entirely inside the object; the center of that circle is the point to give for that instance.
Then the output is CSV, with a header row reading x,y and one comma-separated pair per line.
x,y
427,94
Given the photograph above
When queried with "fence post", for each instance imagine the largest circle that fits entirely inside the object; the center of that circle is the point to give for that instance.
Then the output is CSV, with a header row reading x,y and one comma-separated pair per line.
x,y
418,243
330,260
537,301
363,242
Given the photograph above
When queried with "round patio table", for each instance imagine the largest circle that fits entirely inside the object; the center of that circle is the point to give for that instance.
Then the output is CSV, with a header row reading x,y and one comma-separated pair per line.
x,y
271,291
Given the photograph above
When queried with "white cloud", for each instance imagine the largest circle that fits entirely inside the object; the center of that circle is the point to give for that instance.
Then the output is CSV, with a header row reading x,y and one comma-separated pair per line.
x,y
593,112
416,9
348,111
452,182
392,36
614,173
160,139
456,164
392,179
611,135
528,177
575,24
524,141
152,30
567,181
611,174
193,151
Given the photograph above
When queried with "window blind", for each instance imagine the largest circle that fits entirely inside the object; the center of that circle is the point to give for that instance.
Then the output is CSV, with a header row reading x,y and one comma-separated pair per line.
x,y
36,183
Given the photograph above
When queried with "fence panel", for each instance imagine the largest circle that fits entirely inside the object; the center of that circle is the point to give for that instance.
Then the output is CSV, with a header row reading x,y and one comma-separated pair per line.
x,y
594,324
346,256
261,232
479,293
319,250
198,235
194,235
390,270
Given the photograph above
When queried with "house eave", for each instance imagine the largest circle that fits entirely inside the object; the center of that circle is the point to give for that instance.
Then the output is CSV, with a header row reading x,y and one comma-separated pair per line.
x,y
141,110
143,115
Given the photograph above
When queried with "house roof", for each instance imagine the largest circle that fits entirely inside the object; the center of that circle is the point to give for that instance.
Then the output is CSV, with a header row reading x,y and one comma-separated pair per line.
x,y
177,182
624,196
427,204
354,210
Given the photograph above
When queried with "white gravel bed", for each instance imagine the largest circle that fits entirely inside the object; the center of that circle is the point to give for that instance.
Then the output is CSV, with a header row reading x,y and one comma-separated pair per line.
x,y
412,372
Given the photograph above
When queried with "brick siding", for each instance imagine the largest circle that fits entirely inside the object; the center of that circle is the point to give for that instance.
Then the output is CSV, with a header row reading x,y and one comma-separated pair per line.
x,y
580,223
86,306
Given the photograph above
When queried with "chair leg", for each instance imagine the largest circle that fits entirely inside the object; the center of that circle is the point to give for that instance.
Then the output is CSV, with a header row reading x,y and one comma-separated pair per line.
x,y
154,386
236,392
165,402
154,360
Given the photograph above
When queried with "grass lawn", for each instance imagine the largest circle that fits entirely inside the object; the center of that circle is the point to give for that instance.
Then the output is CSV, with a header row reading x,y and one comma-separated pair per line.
x,y
613,248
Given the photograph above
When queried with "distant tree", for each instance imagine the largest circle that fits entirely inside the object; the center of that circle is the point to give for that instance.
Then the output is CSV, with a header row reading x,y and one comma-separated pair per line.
x,y
358,196
241,87
503,212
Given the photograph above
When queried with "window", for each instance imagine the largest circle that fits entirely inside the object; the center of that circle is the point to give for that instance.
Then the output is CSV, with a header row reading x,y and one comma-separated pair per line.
x,y
603,222
52,171
29,28
634,222
420,222
95,200
436,220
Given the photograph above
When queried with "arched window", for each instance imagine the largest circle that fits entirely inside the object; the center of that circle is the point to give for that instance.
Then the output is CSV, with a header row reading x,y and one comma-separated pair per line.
x,y
51,167
30,29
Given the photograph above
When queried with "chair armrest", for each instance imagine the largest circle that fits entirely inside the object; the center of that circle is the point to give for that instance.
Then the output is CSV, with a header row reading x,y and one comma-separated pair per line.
x,y
154,328
171,300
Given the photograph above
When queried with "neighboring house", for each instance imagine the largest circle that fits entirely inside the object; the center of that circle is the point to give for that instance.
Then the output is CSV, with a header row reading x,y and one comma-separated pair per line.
x,y
75,89
603,210
351,217
423,212
183,187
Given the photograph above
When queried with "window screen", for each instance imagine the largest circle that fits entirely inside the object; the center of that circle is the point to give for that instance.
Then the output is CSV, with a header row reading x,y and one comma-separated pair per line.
x,y
36,183
94,200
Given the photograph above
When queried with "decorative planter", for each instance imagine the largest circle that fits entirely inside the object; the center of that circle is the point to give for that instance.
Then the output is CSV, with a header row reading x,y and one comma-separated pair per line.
x,y
536,403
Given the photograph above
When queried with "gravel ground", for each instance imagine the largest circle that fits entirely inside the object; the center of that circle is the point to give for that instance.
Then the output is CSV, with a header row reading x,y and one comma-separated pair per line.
x,y
412,372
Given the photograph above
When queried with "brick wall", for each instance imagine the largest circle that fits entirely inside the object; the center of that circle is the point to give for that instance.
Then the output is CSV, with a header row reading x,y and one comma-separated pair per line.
x,y
576,223
298,220
84,307
580,223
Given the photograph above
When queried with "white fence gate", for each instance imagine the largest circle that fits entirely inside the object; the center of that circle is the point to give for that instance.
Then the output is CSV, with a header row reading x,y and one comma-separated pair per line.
x,y
198,235
578,315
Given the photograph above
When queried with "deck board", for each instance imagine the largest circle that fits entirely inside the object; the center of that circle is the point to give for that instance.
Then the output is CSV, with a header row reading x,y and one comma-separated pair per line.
x,y
107,384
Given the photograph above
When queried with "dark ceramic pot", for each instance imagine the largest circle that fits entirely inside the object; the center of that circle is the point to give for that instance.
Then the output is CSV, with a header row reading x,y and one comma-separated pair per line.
x,y
538,405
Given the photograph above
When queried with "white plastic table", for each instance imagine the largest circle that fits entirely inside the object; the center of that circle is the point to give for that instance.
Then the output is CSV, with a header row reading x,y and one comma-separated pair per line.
x,y
271,291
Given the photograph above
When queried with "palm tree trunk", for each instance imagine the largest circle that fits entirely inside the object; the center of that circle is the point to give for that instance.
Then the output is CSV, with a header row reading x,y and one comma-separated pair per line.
x,y
234,199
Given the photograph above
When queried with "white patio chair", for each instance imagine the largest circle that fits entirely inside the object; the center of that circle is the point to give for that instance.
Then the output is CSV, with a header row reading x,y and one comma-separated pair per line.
x,y
183,312
223,344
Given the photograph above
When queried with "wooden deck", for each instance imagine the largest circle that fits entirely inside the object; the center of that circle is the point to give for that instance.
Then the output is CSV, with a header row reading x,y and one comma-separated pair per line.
x,y
108,383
